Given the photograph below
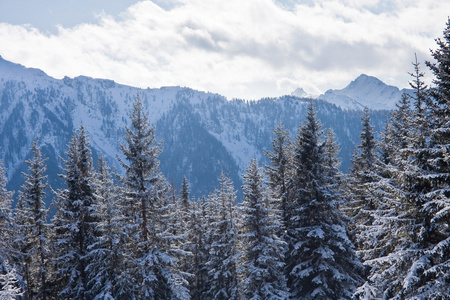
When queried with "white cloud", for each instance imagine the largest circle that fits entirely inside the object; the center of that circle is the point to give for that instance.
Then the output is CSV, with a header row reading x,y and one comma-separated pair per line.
x,y
247,49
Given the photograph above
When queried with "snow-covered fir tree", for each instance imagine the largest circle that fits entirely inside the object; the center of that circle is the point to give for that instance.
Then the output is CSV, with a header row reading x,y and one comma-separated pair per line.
x,y
278,172
412,243
421,101
384,237
152,266
199,238
9,282
31,220
261,264
429,274
108,278
364,173
177,230
331,162
222,264
75,222
6,219
321,261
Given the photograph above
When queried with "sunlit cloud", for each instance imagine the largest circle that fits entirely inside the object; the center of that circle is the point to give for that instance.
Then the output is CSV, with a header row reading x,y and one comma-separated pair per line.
x,y
245,49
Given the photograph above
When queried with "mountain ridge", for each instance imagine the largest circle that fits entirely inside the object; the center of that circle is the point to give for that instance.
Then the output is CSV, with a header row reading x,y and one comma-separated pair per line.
x,y
34,105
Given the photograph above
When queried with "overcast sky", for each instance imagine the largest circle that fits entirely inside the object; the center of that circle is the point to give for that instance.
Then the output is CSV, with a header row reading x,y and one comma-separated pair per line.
x,y
239,48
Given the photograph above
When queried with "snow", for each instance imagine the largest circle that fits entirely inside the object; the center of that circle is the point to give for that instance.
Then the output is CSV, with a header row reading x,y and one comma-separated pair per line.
x,y
300,92
316,233
365,91
87,95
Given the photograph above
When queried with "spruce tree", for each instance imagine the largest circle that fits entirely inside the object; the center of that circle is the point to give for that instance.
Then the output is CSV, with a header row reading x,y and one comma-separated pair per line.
x,y
421,101
278,172
261,260
10,281
384,237
198,283
330,160
145,190
6,219
321,262
408,251
75,222
364,174
429,273
185,193
222,264
31,220
109,277
178,230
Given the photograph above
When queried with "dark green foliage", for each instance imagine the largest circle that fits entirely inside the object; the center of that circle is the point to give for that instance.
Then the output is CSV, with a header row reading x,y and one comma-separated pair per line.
x,y
321,262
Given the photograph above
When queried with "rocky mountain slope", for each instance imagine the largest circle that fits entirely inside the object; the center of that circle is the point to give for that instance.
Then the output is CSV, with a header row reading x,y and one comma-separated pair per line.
x,y
203,133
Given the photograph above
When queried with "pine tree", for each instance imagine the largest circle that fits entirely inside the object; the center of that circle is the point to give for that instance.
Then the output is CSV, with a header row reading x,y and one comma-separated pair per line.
x,y
152,266
321,262
261,260
222,277
31,220
75,221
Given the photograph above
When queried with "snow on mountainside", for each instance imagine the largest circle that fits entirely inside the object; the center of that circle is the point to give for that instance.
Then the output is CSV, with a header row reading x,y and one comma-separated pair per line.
x,y
365,91
203,133
300,92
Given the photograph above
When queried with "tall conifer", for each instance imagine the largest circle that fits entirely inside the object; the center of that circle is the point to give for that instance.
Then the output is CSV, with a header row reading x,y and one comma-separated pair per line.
x,y
261,260
31,219
152,267
75,221
321,262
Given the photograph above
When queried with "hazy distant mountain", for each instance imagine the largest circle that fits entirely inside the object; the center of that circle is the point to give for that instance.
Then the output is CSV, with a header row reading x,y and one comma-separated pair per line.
x,y
300,92
203,133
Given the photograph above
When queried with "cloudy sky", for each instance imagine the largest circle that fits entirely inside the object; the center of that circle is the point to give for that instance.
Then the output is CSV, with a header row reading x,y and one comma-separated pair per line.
x,y
241,49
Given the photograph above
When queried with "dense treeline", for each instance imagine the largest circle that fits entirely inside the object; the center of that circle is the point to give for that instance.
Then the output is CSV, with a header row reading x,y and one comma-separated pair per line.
x,y
303,229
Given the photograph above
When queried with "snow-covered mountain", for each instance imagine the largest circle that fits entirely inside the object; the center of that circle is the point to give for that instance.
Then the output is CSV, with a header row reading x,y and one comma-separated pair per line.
x,y
203,133
300,92
365,91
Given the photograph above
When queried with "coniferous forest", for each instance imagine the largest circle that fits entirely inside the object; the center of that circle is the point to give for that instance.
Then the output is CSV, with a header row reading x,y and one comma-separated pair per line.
x,y
303,229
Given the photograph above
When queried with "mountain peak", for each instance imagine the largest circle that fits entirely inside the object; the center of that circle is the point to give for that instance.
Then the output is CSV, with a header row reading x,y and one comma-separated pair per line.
x,y
365,81
300,92
364,91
